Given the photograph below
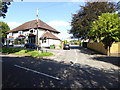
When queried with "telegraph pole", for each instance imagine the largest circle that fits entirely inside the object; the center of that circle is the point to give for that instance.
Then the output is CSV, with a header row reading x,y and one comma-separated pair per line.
x,y
37,28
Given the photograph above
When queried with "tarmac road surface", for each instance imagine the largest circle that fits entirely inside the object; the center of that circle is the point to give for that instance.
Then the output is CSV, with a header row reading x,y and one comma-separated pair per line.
x,y
27,72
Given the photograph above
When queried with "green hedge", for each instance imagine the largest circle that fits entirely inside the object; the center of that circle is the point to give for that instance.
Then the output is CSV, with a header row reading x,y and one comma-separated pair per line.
x,y
11,50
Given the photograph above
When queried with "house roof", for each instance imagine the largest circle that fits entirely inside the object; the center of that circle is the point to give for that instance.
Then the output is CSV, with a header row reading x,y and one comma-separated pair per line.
x,y
49,35
33,24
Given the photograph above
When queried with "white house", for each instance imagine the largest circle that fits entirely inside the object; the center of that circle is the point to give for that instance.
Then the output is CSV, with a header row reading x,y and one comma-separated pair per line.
x,y
35,31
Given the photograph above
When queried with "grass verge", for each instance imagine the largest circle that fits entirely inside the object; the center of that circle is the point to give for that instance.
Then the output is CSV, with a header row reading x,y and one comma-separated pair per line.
x,y
33,53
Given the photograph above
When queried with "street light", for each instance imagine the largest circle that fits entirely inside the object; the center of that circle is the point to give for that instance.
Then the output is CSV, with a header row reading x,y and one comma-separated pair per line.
x,y
37,28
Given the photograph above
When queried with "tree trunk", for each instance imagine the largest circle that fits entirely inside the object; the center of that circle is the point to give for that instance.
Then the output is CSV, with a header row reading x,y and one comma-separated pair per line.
x,y
108,50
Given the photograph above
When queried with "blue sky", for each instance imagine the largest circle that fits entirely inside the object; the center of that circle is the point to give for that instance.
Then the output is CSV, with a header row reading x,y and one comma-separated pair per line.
x,y
56,14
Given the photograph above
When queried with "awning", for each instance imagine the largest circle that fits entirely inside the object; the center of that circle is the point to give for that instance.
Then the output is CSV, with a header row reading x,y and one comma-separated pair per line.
x,y
11,39
20,38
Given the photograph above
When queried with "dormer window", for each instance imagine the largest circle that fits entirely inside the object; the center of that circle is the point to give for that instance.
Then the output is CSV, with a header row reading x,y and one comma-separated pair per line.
x,y
10,34
32,30
20,32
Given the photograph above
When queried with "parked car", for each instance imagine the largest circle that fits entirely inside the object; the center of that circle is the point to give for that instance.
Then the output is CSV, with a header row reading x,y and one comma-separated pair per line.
x,y
31,45
66,46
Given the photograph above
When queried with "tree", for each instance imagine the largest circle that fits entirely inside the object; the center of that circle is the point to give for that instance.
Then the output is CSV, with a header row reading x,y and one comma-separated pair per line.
x,y
81,21
3,8
65,42
106,29
4,28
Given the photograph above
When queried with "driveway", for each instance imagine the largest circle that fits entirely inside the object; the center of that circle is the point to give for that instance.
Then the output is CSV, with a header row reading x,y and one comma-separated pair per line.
x,y
28,72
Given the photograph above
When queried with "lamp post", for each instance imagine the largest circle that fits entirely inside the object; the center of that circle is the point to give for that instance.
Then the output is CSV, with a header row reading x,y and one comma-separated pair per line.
x,y
37,28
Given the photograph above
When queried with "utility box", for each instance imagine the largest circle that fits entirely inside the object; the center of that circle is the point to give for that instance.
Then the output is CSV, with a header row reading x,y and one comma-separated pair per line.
x,y
52,46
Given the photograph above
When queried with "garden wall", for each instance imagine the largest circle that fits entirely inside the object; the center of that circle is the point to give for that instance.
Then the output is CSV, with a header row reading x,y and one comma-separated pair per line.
x,y
114,50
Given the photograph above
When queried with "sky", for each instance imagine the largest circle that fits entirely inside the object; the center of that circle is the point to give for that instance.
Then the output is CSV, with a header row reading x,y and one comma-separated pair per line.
x,y
56,14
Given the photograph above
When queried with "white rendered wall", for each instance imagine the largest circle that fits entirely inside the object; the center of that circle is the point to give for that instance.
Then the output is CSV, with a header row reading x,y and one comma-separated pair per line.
x,y
51,42
40,33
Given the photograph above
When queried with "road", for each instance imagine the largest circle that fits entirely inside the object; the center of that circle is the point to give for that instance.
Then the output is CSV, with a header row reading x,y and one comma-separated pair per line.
x,y
28,72
84,56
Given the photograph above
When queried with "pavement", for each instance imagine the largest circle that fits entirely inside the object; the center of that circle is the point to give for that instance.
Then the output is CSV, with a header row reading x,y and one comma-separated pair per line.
x,y
75,68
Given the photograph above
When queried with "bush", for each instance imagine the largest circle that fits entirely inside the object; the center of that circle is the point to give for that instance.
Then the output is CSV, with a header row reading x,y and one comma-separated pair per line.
x,y
10,50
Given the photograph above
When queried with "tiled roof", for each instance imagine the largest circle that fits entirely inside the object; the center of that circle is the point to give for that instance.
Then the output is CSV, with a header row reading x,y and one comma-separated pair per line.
x,y
33,24
49,35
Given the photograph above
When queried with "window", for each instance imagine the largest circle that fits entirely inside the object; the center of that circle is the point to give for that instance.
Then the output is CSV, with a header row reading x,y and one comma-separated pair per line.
x,y
10,34
32,30
20,32
44,40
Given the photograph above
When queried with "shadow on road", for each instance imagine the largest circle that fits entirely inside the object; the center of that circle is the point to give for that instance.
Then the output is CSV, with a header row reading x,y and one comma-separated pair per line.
x,y
109,59
88,51
71,77
112,60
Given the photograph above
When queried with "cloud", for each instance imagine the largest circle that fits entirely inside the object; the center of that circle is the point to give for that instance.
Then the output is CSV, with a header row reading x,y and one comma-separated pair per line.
x,y
58,23
61,26
13,24
77,0
64,36
61,0
49,0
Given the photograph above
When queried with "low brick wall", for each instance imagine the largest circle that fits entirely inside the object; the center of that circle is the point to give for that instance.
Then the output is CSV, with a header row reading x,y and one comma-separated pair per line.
x,y
114,50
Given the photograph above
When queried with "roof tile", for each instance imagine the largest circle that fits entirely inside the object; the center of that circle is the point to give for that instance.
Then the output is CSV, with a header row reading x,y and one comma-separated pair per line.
x,y
33,24
49,35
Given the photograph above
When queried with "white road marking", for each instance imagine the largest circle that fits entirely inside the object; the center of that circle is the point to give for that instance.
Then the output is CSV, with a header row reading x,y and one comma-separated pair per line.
x,y
28,69
76,59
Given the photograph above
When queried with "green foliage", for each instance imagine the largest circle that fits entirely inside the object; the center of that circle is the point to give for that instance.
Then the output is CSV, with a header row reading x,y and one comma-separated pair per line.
x,y
106,29
39,53
65,42
4,27
76,42
10,50
17,51
81,21
60,46
21,52
19,41
3,8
